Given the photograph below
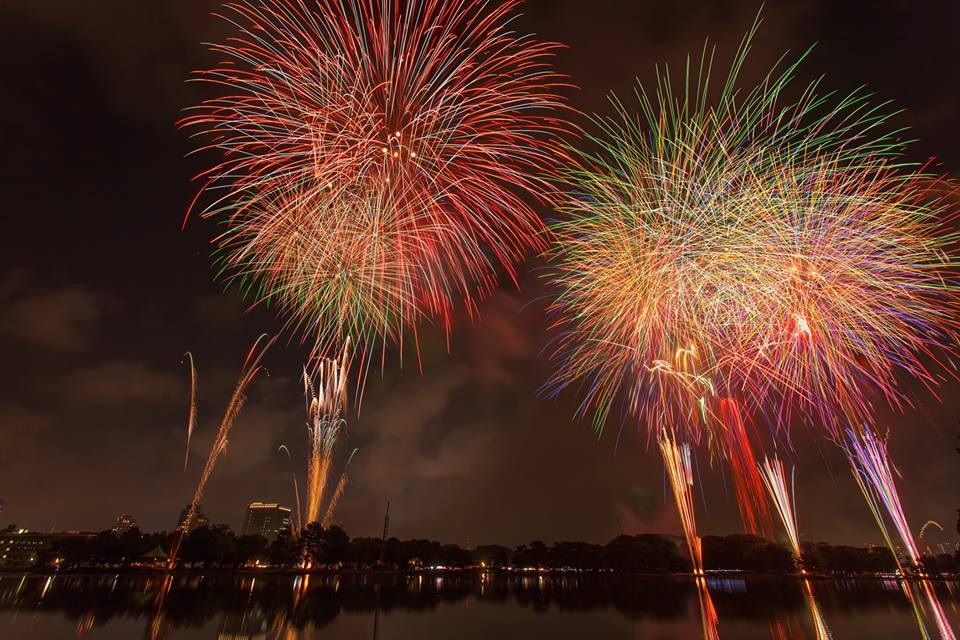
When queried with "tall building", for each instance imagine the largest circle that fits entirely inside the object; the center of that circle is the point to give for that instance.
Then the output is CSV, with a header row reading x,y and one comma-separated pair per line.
x,y
267,519
123,524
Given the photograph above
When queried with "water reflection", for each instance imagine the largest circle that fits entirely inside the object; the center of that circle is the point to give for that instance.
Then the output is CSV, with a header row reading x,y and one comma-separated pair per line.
x,y
708,613
548,605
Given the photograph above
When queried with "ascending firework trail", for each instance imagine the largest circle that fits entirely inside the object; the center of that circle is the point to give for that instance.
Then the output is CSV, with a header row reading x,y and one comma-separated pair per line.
x,y
380,160
252,367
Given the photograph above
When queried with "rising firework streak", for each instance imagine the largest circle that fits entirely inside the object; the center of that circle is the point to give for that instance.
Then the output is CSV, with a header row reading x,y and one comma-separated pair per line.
x,y
252,367
326,404
192,417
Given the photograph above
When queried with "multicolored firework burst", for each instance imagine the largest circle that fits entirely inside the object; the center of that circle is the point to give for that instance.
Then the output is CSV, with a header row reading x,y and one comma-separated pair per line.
x,y
777,255
377,159
781,246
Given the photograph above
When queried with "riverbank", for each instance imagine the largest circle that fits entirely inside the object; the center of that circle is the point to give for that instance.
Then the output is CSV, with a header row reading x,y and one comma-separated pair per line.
x,y
477,571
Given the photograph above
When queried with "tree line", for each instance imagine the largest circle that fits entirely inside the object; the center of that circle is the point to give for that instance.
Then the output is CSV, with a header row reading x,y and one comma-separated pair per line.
x,y
218,547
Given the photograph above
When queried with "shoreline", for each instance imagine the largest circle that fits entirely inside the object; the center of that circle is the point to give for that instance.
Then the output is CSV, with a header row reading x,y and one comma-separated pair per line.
x,y
252,572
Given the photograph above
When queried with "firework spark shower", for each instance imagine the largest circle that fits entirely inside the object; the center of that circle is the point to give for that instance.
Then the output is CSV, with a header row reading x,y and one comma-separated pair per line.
x,y
378,159
748,258
787,246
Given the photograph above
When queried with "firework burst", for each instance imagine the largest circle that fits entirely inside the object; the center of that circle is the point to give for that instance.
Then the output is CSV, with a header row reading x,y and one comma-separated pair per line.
x,y
800,271
377,158
748,255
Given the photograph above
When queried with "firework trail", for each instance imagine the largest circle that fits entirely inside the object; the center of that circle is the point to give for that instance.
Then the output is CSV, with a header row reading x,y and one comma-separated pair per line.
x,y
676,460
870,464
326,404
158,621
192,417
754,511
337,492
774,476
377,159
248,373
296,489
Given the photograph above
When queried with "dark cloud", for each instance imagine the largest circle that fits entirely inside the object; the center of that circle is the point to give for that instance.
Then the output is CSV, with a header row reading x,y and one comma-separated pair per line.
x,y
67,318
118,382
139,52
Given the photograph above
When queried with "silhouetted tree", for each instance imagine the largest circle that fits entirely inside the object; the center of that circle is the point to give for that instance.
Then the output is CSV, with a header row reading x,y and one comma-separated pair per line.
x,y
210,546
577,555
826,558
364,552
746,552
941,564
532,555
452,555
646,553
492,555
250,549
285,550
325,546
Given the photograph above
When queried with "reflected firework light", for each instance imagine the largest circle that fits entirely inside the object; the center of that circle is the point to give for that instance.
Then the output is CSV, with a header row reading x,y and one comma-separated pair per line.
x,y
917,609
708,613
934,610
819,625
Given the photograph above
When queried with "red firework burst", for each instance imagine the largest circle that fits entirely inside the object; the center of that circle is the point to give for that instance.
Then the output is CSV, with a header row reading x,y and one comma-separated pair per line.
x,y
380,158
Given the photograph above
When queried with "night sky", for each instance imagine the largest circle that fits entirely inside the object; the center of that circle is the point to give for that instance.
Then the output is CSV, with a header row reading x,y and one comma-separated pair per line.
x,y
101,292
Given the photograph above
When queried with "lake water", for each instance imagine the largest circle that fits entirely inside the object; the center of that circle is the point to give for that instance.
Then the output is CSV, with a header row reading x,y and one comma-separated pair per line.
x,y
471,606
